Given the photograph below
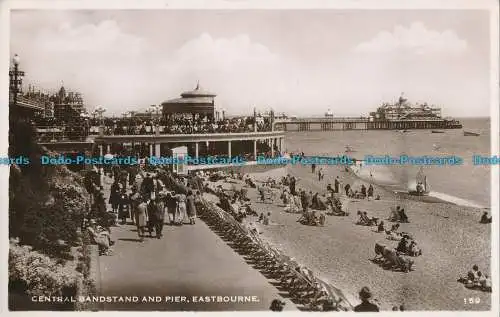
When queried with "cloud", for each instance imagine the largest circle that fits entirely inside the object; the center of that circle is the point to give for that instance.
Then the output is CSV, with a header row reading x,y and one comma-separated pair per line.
x,y
105,37
205,53
417,38
125,70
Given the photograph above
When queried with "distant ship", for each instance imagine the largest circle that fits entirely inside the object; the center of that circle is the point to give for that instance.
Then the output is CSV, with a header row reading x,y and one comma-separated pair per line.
x,y
349,149
437,131
469,133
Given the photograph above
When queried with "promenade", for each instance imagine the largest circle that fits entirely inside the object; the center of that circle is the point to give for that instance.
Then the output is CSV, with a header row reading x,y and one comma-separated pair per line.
x,y
188,261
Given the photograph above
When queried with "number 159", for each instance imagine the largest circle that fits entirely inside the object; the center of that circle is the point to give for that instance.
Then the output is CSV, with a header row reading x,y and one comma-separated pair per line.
x,y
472,300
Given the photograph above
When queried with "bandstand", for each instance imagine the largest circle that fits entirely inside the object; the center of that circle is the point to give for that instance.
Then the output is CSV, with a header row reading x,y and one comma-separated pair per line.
x,y
199,106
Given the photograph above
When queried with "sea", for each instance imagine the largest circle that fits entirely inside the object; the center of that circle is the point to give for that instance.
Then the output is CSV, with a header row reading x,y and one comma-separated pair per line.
x,y
463,184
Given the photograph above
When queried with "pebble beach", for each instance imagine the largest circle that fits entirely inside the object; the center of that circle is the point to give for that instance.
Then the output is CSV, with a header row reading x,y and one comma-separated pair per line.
x,y
451,238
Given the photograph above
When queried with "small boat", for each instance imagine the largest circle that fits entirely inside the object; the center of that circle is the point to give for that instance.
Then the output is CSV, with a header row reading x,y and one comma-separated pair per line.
x,y
436,147
349,149
437,131
469,133
421,188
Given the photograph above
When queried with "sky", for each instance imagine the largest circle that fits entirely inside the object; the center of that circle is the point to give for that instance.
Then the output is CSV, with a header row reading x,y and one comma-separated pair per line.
x,y
302,62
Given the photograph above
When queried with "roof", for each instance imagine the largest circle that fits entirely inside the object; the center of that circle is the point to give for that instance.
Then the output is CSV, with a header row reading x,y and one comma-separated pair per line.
x,y
189,100
197,92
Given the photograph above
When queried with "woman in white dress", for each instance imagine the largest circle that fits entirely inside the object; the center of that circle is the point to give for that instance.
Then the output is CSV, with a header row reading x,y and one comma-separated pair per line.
x,y
181,208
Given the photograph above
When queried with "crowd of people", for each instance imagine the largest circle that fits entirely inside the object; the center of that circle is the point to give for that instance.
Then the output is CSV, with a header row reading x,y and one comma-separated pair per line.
x,y
475,279
141,198
182,125
147,200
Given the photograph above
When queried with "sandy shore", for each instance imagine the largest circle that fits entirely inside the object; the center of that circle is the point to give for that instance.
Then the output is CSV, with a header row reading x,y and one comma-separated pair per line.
x,y
451,237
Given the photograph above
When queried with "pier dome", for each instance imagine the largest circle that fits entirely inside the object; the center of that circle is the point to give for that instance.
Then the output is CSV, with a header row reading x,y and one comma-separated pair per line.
x,y
194,101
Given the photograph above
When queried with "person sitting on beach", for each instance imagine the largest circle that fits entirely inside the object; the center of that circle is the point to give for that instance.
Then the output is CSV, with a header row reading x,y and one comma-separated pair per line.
x,y
414,250
365,306
370,192
304,200
347,189
369,221
322,202
475,272
314,201
378,197
381,227
485,218
472,277
363,190
298,203
394,216
235,206
285,196
364,219
394,227
485,283
402,246
291,206
402,216
352,194
329,188
265,219
262,193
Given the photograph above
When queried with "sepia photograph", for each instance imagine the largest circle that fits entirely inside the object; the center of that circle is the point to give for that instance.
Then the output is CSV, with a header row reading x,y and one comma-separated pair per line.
x,y
251,157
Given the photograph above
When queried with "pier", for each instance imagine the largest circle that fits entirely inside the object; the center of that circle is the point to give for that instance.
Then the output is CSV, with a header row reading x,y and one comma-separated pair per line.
x,y
361,123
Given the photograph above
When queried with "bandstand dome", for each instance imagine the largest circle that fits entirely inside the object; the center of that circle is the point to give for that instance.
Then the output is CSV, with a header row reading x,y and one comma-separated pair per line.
x,y
194,101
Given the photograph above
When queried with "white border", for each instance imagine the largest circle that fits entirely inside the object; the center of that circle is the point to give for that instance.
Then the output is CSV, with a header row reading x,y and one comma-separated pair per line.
x,y
491,5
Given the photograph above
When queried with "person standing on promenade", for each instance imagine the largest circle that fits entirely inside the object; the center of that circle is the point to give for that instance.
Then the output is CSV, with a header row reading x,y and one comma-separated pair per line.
x,y
140,216
114,195
365,306
134,202
159,215
313,168
171,208
152,212
191,207
147,185
181,208
123,205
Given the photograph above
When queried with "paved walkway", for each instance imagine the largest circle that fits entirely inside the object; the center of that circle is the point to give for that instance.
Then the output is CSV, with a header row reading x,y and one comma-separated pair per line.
x,y
188,261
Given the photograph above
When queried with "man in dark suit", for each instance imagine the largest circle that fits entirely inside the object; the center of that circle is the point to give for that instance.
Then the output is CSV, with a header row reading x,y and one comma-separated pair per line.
x,y
336,185
365,306
156,217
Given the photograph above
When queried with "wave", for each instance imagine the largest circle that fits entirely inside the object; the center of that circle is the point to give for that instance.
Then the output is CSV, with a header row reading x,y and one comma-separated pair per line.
x,y
383,176
455,200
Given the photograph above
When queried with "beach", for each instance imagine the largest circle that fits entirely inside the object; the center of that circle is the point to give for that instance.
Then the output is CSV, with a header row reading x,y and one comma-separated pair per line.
x,y
451,238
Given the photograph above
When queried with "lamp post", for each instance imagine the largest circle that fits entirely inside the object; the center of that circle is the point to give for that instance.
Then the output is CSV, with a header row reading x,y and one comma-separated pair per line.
x,y
15,80
100,110
156,108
